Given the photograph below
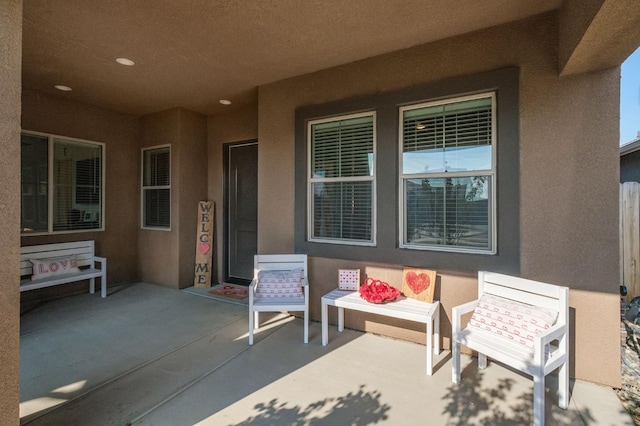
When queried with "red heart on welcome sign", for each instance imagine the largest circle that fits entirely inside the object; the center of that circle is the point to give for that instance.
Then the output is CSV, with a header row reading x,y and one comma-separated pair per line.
x,y
203,248
418,282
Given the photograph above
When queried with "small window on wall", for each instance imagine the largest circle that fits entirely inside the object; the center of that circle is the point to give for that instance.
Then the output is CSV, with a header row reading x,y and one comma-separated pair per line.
x,y
342,180
61,184
448,175
156,187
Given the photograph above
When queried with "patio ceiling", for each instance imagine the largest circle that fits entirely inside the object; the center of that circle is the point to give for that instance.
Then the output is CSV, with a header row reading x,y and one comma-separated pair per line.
x,y
192,53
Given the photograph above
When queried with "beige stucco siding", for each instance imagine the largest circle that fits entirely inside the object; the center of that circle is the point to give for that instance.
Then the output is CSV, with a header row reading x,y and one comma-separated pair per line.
x,y
10,68
119,132
568,179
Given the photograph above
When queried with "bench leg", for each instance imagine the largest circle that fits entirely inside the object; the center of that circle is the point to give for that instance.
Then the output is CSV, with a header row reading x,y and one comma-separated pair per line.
x,y
340,319
103,285
92,285
538,400
436,332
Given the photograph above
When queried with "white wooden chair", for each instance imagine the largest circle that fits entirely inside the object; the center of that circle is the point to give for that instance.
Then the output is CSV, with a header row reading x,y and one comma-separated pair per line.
x,y
279,298
542,354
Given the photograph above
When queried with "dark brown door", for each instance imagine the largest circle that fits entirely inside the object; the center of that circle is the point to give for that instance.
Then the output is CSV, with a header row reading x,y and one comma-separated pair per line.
x,y
241,195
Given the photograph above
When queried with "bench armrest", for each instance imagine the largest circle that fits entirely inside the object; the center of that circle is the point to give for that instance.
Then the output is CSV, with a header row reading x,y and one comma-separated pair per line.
x,y
102,261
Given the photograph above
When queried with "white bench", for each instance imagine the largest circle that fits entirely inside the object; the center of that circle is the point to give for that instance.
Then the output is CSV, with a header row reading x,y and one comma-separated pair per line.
x,y
402,308
551,347
86,261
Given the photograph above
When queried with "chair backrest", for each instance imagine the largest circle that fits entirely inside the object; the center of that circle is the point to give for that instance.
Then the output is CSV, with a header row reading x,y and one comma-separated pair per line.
x,y
526,291
279,262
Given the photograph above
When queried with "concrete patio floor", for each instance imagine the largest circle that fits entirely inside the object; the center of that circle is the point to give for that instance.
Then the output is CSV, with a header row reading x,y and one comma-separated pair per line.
x,y
148,355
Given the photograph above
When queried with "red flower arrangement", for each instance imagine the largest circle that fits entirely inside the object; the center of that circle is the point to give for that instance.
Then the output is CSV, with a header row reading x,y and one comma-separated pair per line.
x,y
376,291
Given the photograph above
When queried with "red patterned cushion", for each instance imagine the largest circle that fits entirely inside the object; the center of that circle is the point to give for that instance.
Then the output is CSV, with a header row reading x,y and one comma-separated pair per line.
x,y
44,268
512,320
280,283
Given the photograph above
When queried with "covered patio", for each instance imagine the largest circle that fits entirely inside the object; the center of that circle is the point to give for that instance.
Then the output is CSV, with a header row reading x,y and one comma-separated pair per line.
x,y
148,355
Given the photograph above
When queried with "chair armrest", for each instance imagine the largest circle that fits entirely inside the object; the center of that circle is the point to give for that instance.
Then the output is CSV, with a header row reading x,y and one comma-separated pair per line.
x,y
456,316
552,333
464,308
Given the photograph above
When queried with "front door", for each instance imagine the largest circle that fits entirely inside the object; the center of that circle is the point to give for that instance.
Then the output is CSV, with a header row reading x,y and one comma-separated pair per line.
x,y
241,213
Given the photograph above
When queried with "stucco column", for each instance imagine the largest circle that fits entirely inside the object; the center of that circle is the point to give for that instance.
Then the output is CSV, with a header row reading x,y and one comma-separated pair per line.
x,y
10,87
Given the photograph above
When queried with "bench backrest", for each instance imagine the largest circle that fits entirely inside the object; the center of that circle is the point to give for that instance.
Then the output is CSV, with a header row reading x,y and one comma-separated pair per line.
x,y
526,291
279,262
83,250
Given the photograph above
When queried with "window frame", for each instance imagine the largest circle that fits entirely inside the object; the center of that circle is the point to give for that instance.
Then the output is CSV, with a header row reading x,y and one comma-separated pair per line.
x,y
311,180
505,83
403,177
51,184
143,188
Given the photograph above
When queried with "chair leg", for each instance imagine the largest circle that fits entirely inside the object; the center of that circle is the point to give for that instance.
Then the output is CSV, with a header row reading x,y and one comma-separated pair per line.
x,y
251,318
256,320
538,400
482,361
455,362
306,326
563,386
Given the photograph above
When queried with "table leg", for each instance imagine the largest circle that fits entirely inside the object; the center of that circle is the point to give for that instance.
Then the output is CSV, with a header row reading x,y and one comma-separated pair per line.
x,y
340,319
430,346
325,321
436,332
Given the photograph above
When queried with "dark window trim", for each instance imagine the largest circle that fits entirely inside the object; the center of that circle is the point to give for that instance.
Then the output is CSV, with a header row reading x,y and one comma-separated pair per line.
x,y
505,83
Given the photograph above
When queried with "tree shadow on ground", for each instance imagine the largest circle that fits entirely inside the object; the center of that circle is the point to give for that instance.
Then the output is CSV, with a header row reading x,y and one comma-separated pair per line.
x,y
493,404
355,408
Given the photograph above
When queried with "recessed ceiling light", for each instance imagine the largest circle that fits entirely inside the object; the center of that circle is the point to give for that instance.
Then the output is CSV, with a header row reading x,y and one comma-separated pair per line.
x,y
225,102
63,87
125,61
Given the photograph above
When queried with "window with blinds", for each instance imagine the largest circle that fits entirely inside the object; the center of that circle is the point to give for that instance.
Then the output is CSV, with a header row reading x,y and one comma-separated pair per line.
x,y
156,187
342,180
62,184
448,175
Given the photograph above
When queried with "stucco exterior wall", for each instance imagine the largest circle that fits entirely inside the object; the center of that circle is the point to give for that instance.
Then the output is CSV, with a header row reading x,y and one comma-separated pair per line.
x,y
167,257
234,126
119,132
192,188
568,163
158,249
10,78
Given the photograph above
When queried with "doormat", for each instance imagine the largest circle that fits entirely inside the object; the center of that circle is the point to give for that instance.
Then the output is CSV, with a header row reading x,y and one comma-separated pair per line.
x,y
233,291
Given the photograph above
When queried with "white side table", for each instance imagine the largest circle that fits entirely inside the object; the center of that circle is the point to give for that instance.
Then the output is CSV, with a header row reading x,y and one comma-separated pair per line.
x,y
402,307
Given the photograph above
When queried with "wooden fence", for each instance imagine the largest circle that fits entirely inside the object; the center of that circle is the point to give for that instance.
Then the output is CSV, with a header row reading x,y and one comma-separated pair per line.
x,y
630,237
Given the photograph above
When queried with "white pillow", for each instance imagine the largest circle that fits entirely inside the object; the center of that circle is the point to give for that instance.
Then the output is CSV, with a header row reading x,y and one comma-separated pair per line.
x,y
280,283
513,320
44,268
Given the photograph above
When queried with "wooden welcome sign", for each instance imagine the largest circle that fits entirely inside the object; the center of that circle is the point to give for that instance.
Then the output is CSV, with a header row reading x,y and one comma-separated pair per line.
x,y
204,242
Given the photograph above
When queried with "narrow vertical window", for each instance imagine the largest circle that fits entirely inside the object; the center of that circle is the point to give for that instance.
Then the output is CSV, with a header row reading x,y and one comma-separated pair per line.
x,y
342,180
156,187
448,175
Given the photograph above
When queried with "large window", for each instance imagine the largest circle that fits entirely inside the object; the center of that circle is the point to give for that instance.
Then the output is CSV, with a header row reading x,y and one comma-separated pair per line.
x,y
447,175
61,184
156,187
341,180
445,186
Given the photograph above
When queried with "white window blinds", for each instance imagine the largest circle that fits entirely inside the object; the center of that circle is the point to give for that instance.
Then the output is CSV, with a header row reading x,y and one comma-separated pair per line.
x,y
448,174
341,179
